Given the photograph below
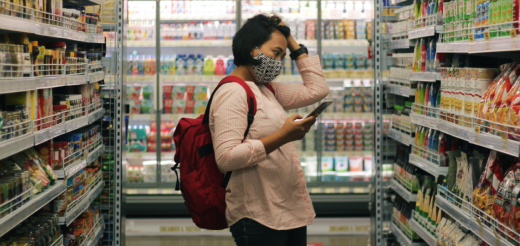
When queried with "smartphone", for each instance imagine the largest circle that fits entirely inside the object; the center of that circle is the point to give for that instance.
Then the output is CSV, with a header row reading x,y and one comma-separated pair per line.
x,y
318,110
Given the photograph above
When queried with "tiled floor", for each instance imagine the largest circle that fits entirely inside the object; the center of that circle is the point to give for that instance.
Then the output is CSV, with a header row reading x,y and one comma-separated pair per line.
x,y
228,241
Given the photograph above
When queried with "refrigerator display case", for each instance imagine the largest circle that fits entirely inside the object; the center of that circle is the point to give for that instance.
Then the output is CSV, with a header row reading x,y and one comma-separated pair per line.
x,y
176,54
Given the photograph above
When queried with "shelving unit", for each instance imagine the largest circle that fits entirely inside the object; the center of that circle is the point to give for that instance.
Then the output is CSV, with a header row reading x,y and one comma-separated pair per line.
x,y
66,141
442,119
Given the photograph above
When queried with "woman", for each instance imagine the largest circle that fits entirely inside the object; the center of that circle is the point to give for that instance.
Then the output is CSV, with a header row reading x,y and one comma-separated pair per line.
x,y
267,199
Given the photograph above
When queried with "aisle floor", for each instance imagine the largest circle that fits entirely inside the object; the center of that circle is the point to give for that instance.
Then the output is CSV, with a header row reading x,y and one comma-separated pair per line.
x,y
228,241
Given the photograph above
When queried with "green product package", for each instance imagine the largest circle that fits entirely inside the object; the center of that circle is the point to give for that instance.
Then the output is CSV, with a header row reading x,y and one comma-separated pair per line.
x,y
426,199
452,170
469,6
503,18
420,196
461,10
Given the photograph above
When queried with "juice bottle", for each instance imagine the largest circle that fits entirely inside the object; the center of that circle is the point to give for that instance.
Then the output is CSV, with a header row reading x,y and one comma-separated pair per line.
x,y
147,66
153,65
141,65
135,65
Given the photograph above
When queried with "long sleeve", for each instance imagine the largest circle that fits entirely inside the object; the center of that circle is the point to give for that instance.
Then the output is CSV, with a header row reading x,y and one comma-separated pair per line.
x,y
229,114
313,89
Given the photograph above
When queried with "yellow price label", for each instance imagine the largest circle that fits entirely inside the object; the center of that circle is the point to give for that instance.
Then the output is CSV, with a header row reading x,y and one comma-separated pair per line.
x,y
487,37
477,129
471,38
513,33
504,136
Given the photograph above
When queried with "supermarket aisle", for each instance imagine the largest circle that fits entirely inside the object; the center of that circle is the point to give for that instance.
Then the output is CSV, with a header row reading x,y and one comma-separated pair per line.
x,y
228,241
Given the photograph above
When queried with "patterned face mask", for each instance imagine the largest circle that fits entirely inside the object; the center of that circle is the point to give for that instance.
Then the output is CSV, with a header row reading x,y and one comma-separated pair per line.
x,y
268,69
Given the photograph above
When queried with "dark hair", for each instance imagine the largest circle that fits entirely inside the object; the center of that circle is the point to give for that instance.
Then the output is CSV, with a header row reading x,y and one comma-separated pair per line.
x,y
255,32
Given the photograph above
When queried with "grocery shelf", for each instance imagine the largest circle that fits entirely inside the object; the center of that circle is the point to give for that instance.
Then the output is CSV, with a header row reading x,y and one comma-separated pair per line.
x,y
396,2
403,192
400,137
80,164
388,18
455,47
46,134
487,140
38,201
38,28
15,145
483,232
187,17
422,232
58,241
401,237
97,233
149,155
404,91
425,31
503,44
400,44
428,166
494,45
81,204
346,116
228,43
425,76
11,85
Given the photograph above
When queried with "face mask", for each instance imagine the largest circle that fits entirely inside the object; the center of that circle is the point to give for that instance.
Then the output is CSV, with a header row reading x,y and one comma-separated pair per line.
x,y
268,69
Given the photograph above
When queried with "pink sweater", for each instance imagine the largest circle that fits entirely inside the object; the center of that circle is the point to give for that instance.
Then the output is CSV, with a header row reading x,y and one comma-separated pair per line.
x,y
269,189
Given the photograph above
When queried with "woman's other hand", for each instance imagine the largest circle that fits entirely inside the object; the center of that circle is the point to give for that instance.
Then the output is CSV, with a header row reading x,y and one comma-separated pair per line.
x,y
293,130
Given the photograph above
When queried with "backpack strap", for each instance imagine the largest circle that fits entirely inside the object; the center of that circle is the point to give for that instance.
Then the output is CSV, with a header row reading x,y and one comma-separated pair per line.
x,y
270,87
251,102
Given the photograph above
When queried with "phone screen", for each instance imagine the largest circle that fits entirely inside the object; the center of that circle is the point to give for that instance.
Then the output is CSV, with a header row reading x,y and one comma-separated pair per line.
x,y
320,108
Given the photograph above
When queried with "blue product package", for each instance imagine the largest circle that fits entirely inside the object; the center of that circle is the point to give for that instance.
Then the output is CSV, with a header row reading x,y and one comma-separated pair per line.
x,y
230,66
140,67
428,59
199,65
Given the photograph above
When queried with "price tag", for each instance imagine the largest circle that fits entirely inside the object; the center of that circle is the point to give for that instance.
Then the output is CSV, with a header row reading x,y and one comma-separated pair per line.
x,y
477,129
513,33
471,38
487,37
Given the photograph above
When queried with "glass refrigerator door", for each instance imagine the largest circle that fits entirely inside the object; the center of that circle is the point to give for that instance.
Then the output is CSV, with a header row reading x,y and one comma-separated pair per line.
x,y
195,54
347,130
141,92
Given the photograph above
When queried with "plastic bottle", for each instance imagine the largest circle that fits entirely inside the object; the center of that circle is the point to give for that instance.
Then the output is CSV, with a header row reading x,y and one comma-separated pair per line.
x,y
153,65
147,65
423,55
141,65
129,62
190,64
220,69
199,65
209,66
180,68
172,64
135,65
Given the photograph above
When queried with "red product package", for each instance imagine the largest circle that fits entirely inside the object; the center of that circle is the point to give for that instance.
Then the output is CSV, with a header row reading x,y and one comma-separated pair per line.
x,y
502,203
484,182
167,92
501,95
168,103
490,91
189,92
514,216
498,177
190,104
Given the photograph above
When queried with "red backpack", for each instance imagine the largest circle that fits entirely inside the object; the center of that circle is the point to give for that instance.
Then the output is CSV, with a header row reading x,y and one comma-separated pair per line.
x,y
202,184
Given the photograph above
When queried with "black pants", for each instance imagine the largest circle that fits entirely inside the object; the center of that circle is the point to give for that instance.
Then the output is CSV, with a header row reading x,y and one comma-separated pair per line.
x,y
248,232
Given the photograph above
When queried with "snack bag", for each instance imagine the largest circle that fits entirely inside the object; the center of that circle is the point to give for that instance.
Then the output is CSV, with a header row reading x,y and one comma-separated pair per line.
x,y
502,113
502,205
514,216
490,97
498,177
481,191
501,93
490,91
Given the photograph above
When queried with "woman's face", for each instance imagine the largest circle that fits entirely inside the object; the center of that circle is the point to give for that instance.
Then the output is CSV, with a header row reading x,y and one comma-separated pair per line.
x,y
274,47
